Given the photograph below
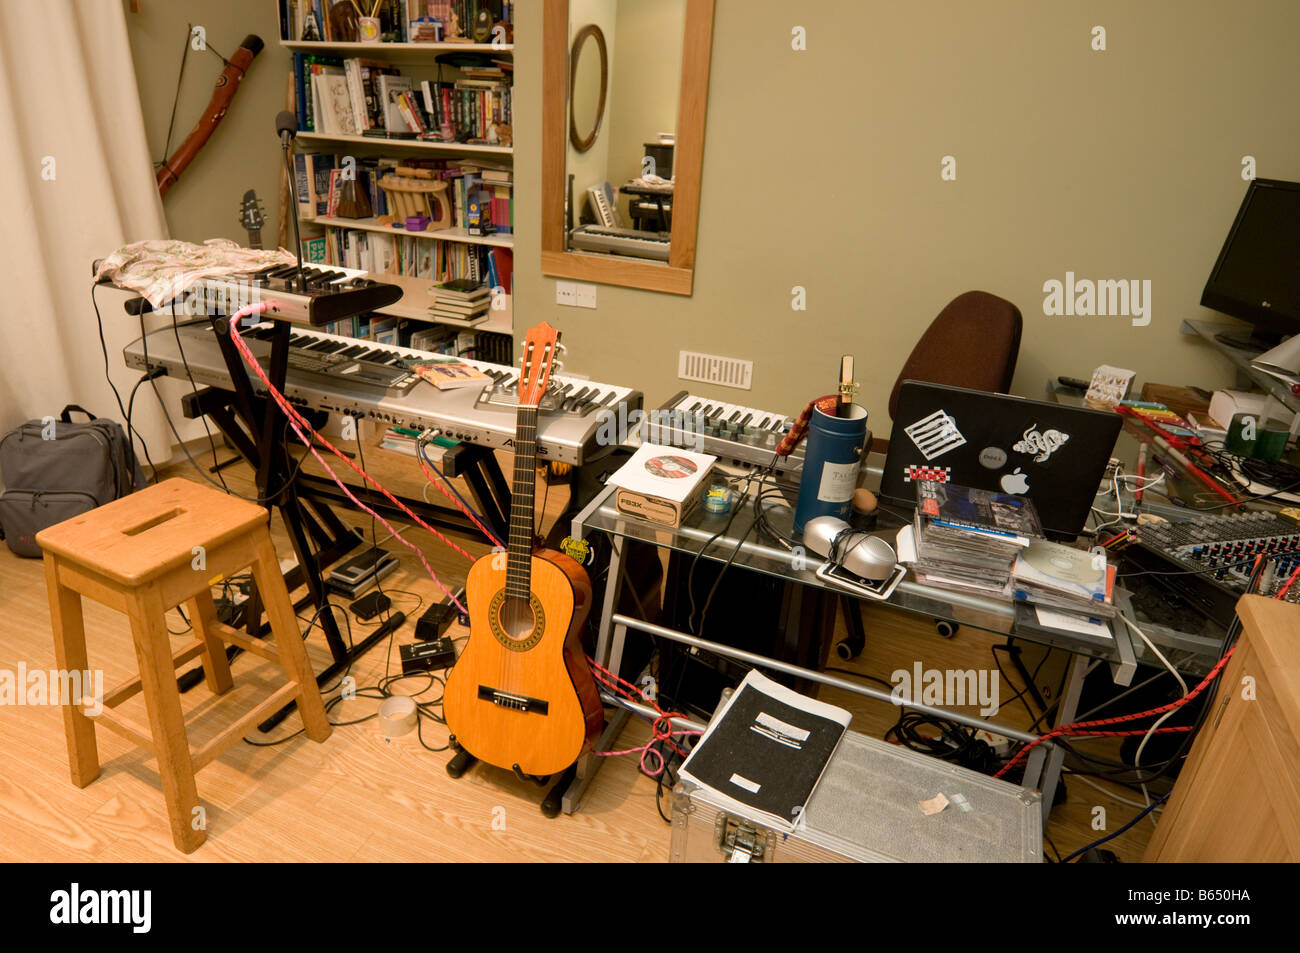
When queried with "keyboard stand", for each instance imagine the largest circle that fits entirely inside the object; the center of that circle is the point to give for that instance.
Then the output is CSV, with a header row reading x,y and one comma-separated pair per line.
x,y
256,427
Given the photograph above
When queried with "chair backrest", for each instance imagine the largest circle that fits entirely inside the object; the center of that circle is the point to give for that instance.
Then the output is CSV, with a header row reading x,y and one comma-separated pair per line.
x,y
974,342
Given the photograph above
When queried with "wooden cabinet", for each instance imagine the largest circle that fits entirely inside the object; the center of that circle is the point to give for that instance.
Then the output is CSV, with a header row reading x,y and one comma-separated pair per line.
x,y
1237,796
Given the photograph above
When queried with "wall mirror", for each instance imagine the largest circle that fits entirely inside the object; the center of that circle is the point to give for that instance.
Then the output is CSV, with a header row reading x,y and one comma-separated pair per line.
x,y
625,91
588,85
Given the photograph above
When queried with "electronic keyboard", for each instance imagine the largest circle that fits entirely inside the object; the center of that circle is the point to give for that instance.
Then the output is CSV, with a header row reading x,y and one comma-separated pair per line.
x,y
331,294
735,434
572,426
621,241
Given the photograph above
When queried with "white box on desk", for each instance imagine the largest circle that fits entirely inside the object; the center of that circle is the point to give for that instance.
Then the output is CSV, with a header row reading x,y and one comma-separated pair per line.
x,y
661,484
866,808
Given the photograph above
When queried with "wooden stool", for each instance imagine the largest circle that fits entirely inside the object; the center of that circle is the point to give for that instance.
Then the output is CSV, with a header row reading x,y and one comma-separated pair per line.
x,y
148,552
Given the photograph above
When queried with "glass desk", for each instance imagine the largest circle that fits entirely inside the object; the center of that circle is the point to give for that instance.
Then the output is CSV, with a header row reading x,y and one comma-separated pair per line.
x,y
1193,653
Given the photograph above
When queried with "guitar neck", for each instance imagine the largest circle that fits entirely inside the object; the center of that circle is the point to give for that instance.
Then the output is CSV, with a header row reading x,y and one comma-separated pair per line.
x,y
520,544
255,238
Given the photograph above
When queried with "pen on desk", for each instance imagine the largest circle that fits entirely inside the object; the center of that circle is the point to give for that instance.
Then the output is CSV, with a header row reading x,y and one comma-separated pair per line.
x,y
1197,473
1142,472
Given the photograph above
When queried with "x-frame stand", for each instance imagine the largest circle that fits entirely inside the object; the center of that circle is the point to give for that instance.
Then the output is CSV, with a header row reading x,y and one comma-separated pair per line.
x,y
255,426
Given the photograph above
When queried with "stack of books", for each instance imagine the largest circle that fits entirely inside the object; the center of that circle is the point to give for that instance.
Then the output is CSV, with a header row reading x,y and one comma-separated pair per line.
x,y
970,539
463,301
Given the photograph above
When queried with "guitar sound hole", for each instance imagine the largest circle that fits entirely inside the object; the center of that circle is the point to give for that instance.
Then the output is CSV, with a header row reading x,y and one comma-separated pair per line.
x,y
517,620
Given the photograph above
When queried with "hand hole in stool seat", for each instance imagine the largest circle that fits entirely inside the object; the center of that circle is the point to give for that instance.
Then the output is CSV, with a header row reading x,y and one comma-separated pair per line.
x,y
154,521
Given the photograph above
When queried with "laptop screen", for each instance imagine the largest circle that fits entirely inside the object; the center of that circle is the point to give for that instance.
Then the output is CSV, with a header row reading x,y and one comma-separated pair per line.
x,y
1051,453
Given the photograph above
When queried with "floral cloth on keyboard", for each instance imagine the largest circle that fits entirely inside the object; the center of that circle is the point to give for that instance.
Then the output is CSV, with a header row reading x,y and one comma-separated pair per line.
x,y
162,270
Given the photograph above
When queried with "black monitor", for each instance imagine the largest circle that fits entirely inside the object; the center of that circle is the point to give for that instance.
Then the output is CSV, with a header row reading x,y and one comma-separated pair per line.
x,y
1257,276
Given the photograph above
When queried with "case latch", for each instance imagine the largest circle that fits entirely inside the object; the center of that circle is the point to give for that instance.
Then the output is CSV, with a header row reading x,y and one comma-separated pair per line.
x,y
740,842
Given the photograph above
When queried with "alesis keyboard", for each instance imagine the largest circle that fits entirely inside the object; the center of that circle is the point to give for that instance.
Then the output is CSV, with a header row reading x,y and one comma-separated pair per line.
x,y
572,427
331,293
735,434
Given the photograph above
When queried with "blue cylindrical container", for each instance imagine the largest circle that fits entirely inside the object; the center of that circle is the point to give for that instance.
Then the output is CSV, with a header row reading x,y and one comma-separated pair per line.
x,y
831,463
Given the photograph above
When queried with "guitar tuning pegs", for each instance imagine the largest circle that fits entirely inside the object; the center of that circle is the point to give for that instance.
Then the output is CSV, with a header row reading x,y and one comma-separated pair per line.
x,y
560,348
557,366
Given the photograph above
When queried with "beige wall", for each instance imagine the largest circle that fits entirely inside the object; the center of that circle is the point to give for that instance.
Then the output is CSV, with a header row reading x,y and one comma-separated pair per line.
x,y
244,152
821,169
647,81
590,167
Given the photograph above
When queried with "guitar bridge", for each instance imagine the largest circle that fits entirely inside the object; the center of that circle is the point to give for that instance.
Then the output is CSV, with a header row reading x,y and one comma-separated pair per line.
x,y
512,700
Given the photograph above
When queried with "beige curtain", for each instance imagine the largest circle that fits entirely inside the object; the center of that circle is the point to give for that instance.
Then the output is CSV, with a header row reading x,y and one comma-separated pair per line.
x,y
79,184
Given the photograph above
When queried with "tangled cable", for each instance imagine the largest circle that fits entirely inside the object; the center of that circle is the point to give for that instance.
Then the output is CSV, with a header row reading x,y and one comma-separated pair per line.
x,y
299,424
661,728
1077,729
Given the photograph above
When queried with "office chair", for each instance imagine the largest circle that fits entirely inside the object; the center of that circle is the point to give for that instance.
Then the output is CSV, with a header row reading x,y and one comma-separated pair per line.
x,y
973,342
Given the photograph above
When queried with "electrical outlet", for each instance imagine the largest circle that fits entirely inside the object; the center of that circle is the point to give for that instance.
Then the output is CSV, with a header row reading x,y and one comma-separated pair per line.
x,y
573,294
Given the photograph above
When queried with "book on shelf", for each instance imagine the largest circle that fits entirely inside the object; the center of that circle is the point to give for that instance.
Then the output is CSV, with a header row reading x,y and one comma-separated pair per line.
x,y
407,21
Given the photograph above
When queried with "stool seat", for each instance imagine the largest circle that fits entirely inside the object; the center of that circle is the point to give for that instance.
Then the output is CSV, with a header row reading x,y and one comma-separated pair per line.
x,y
161,547
146,534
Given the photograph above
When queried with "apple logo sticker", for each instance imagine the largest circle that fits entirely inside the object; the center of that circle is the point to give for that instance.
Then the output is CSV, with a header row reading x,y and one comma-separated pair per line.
x,y
993,458
1015,482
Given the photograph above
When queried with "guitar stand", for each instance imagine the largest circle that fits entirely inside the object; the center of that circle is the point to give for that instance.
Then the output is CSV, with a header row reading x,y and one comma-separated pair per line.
x,y
551,805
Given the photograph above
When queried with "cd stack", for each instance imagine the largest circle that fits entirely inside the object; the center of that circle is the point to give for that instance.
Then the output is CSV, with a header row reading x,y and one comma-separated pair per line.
x,y
1061,577
970,539
1062,592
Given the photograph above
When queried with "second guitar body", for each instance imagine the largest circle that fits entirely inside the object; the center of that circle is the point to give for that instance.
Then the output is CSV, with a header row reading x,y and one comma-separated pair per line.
x,y
525,698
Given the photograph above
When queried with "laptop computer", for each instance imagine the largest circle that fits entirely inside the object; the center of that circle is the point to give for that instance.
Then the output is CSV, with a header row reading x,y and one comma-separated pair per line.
x,y
1053,454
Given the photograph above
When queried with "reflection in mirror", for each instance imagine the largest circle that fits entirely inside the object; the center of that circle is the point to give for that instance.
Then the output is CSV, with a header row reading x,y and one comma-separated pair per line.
x,y
588,86
622,181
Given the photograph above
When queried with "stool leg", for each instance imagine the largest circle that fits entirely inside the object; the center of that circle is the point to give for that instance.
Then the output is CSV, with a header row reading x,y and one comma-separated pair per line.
x,y
288,638
163,701
216,668
70,656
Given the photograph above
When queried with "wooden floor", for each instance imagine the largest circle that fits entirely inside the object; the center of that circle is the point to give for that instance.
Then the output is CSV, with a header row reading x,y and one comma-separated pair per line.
x,y
358,796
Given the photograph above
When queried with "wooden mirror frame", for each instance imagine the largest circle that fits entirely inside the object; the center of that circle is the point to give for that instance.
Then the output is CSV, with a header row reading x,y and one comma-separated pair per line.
x,y
678,275
581,143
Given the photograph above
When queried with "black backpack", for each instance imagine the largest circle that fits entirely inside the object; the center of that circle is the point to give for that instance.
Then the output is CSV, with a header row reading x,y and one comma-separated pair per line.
x,y
54,470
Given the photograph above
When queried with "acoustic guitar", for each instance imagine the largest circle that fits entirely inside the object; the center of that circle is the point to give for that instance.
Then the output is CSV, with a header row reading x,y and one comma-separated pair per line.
x,y
521,696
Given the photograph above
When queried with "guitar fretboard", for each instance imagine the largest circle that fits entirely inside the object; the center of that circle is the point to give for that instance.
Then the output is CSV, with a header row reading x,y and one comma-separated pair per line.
x,y
519,547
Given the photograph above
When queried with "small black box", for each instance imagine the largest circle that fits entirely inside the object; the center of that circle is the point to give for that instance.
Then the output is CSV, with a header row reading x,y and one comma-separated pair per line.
x,y
427,656
435,621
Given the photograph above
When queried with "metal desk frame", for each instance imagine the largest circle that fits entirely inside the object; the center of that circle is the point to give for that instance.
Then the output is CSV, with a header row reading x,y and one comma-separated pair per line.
x,y
1043,767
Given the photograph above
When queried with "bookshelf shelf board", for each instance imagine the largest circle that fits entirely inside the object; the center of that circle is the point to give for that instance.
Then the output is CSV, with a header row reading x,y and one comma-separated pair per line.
x,y
445,234
455,148
380,50
416,300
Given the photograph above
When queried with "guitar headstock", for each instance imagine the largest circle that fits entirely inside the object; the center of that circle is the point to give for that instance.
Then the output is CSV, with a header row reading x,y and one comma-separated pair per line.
x,y
250,211
535,363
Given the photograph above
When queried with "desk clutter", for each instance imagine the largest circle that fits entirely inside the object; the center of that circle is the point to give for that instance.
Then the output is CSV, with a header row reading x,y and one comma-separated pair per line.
x,y
986,502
